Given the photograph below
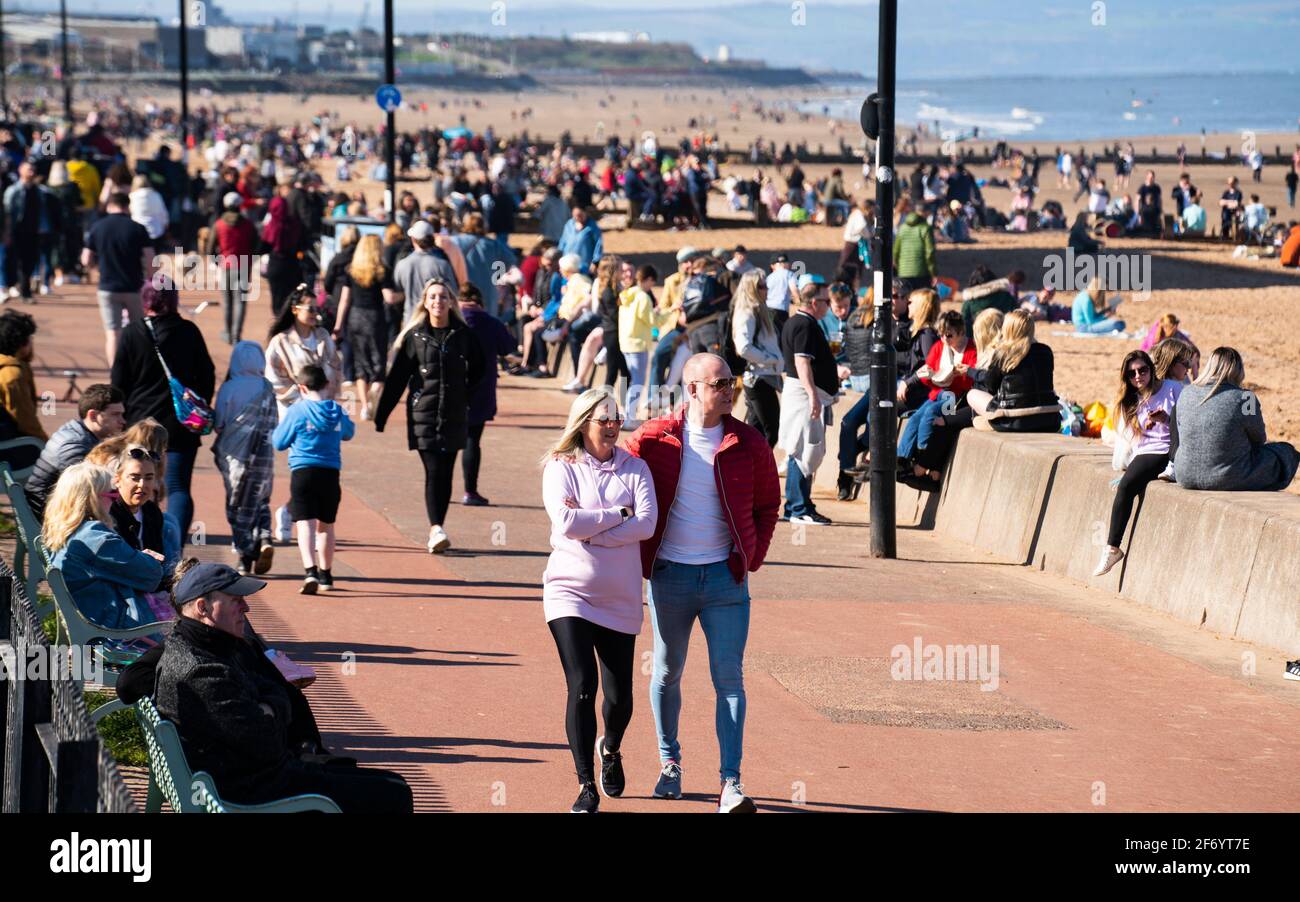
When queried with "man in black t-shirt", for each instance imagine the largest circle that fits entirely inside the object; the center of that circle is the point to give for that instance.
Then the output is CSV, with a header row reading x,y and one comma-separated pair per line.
x,y
810,374
125,254
1149,204
1230,207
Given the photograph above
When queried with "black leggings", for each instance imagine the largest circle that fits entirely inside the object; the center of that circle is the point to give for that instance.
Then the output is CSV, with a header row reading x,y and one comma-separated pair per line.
x,y
763,410
615,362
1141,470
473,457
439,466
580,643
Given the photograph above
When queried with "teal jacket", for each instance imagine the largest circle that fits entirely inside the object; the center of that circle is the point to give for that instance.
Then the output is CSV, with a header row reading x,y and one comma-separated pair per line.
x,y
105,576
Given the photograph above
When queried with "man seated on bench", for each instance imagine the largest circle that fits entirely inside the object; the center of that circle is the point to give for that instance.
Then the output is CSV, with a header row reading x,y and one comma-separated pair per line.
x,y
100,415
235,713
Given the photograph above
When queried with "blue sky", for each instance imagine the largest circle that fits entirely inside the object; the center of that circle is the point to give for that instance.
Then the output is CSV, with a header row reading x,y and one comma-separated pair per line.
x,y
937,38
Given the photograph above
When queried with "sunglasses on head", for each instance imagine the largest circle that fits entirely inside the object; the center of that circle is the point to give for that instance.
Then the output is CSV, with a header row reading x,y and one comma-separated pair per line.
x,y
144,454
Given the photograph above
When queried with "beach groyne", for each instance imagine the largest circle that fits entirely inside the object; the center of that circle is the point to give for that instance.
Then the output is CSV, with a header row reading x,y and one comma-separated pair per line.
x,y
1225,561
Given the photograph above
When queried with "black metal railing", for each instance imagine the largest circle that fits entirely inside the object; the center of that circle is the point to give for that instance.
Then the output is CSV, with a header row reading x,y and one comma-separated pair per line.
x,y
52,758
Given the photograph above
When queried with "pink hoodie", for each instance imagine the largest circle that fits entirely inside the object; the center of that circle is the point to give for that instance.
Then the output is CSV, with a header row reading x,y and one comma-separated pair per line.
x,y
594,571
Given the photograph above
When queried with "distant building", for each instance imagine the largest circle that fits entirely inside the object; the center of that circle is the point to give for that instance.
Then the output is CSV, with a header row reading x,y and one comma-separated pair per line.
x,y
276,47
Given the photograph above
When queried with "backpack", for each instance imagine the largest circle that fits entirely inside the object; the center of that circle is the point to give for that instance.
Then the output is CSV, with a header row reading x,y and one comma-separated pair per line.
x,y
703,297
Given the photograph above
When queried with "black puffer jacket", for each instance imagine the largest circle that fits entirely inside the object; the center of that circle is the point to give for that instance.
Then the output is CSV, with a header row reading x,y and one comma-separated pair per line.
x,y
1027,387
138,373
69,444
440,373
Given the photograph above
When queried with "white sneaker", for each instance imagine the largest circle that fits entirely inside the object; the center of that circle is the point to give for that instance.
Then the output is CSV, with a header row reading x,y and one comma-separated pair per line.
x,y
283,525
1109,558
1167,474
438,541
601,355
574,385
733,800
58,281
45,289
14,292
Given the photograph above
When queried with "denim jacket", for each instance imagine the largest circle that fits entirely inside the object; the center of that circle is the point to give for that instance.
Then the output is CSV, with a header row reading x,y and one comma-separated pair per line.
x,y
105,575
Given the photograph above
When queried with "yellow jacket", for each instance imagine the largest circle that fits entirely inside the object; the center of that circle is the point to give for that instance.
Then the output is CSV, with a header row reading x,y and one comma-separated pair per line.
x,y
18,396
86,177
637,320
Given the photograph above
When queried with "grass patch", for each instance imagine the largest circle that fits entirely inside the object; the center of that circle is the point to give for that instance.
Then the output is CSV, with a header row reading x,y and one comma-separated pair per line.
x,y
8,528
120,731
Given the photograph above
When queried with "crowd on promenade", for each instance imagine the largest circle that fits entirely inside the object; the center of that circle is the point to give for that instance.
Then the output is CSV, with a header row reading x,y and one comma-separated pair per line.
x,y
427,312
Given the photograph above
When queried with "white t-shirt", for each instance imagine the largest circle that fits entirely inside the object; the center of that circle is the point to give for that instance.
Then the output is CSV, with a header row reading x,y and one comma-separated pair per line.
x,y
697,530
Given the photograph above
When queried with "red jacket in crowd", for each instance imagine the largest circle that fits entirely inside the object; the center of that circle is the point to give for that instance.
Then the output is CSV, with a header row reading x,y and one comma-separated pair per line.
x,y
959,384
745,474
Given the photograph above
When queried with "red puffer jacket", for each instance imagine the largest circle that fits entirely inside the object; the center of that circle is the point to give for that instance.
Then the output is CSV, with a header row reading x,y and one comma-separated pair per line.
x,y
745,474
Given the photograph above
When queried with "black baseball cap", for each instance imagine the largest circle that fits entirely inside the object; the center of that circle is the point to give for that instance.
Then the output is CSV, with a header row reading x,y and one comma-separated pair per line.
x,y
781,258
204,578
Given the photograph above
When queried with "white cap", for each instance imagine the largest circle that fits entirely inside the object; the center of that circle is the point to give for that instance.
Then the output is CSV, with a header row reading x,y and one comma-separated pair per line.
x,y
231,199
420,231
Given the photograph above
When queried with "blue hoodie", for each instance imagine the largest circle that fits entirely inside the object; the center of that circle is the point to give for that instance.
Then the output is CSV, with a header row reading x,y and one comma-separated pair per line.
x,y
313,431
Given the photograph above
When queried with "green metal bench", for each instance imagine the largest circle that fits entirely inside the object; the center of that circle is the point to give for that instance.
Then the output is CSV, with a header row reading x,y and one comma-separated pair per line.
x,y
81,633
30,558
169,774
23,441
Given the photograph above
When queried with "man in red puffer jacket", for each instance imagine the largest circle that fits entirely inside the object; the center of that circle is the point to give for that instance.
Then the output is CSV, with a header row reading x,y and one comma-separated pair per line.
x,y
716,485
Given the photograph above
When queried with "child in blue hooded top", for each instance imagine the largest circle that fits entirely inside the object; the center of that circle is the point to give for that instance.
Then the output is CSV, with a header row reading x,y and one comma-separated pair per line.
x,y
313,431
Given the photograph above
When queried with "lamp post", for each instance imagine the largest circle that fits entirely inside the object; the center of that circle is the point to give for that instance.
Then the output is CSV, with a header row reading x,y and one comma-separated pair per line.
x,y
185,81
882,419
390,77
64,73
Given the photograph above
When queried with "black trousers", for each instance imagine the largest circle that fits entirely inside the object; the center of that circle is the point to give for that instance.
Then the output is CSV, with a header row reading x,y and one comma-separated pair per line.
x,y
439,466
763,410
1140,472
469,463
284,274
26,248
357,790
615,362
580,643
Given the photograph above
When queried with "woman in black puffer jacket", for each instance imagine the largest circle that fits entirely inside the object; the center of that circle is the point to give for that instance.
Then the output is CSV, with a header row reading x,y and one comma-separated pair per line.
x,y
440,361
1017,394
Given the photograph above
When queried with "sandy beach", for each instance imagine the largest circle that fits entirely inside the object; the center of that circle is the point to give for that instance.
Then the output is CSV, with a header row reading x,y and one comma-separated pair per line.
x,y
1220,300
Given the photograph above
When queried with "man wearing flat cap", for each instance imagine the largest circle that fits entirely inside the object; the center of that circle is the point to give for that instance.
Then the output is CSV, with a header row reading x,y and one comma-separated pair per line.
x,y
234,711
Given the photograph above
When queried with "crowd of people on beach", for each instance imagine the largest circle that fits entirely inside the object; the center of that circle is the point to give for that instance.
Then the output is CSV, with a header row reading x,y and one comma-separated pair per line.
x,y
429,310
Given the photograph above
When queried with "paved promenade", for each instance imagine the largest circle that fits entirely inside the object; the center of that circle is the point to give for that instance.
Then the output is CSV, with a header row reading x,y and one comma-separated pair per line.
x,y
442,667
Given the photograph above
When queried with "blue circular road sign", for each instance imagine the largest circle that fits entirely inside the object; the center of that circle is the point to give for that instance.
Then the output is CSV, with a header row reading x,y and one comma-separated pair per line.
x,y
388,98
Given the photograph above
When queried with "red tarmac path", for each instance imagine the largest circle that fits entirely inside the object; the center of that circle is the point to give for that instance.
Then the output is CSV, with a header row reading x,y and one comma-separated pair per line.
x,y
442,667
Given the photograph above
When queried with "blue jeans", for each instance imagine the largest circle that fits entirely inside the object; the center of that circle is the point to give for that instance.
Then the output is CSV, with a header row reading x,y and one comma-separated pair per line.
x,y
920,425
661,360
679,593
180,467
851,444
1100,327
636,363
798,491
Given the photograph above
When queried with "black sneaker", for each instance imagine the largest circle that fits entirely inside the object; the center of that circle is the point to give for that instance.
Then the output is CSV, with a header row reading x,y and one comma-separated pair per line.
x,y
611,777
326,580
245,567
1292,670
813,519
310,582
588,800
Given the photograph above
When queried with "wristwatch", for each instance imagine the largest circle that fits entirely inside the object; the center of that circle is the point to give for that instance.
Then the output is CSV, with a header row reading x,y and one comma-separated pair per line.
x,y
625,512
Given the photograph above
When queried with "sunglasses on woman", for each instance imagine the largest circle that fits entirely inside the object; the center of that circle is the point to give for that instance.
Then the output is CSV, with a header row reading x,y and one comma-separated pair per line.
x,y
608,421
144,454
1139,371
